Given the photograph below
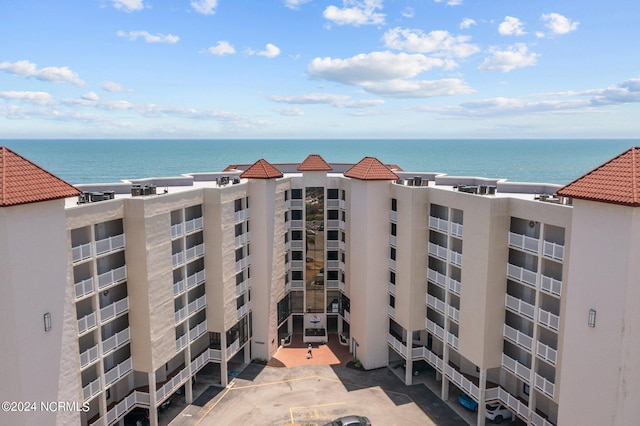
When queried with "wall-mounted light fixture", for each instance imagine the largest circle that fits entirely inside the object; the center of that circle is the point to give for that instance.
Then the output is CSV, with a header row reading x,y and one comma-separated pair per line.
x,y
47,322
592,318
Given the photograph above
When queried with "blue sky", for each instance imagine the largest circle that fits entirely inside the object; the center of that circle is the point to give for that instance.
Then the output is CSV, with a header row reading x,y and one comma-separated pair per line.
x,y
319,69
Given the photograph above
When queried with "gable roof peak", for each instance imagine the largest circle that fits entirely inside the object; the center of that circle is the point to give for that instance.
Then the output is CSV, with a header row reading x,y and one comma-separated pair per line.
x,y
370,168
261,169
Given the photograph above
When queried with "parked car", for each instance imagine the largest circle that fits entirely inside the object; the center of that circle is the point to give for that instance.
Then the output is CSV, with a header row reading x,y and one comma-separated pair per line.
x,y
467,402
350,421
498,412
137,417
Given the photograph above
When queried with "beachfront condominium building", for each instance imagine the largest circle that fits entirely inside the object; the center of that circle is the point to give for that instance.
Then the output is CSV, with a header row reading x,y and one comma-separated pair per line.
x,y
116,296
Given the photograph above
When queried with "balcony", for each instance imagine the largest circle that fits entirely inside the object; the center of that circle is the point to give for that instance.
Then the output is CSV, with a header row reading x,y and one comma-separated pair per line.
x,y
430,357
437,278
398,346
180,315
81,252
91,390
544,385
242,263
454,286
547,353
296,224
522,275
297,285
435,329
333,224
116,341
242,287
550,320
193,225
176,230
117,372
232,349
333,284
455,258
508,400
242,239
438,251
299,264
438,224
393,216
87,323
522,242
334,244
519,338
84,287
519,306
453,313
177,259
553,251
335,203
393,240
296,244
241,215
392,264
195,251
456,229
392,288
114,309
121,408
551,286
462,382
243,310
109,244
89,356
181,342
179,288
452,340
197,304
198,330
516,368
436,304
111,277
196,279
538,420
172,384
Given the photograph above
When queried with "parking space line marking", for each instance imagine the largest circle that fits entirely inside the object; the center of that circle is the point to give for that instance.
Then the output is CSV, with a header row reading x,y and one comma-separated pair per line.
x,y
312,406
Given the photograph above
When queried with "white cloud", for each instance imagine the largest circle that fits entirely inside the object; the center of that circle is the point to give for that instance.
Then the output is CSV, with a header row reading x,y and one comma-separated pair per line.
x,y
356,13
338,101
626,92
90,96
516,56
511,26
35,98
128,5
440,43
559,24
222,48
295,4
51,74
467,23
113,87
270,51
290,112
205,7
450,2
148,37
418,88
408,12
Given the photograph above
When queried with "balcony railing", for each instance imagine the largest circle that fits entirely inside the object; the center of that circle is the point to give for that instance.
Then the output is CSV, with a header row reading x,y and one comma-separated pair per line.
x,y
546,352
195,251
553,251
462,382
116,341
177,259
193,225
453,313
197,304
176,230
89,356
333,224
172,384
241,215
392,312
242,239
181,342
435,329
112,276
396,344
333,284
456,229
242,287
455,258
299,264
393,216
438,251
196,279
215,355
392,288
91,390
81,252
438,224
198,330
232,349
242,263
121,408
550,320
523,242
551,285
518,337
545,385
427,355
520,306
436,304
114,309
179,288
508,400
393,240
294,202
87,323
452,340
516,368
243,310
523,275
437,278
538,420
454,286
180,315
117,372
84,287
297,284
392,264
110,244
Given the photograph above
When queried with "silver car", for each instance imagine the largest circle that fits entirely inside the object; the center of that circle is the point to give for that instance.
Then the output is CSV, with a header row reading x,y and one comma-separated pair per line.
x,y
350,421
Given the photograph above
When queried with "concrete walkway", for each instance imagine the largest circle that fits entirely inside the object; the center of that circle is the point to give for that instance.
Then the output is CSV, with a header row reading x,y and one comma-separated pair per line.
x,y
330,353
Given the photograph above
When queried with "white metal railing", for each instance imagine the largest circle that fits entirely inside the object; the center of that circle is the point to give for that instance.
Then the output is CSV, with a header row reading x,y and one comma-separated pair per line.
x,y
437,278
399,347
551,285
462,382
196,279
453,313
193,225
333,284
295,202
197,304
393,240
242,287
91,389
181,342
546,352
117,372
114,309
233,348
89,356
195,251
455,258
172,384
456,229
112,276
347,316
333,223
545,385
117,340
242,239
508,400
538,420
215,354
516,368
87,323
180,315
242,310
392,312
518,337
523,275
176,230
452,340
333,244
198,330
439,224
333,203
121,408
393,216
392,288
437,250
296,244
81,252
520,306
341,287
179,288
392,264
177,259
242,263
547,318
241,215
84,287
299,264
454,286
110,244
436,304
296,224
297,284
524,242
553,250
435,329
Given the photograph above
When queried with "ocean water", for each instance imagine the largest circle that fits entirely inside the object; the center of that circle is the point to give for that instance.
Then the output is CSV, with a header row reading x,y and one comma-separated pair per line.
x,y
523,160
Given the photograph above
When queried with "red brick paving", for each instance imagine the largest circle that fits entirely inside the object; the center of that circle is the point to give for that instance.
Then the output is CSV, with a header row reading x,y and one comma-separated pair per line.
x,y
331,353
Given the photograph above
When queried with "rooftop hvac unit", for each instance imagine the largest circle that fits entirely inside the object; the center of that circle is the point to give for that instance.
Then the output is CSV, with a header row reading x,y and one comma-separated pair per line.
x,y
417,181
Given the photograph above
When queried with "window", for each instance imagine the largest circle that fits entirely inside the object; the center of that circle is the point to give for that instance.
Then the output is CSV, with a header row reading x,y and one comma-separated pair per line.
x,y
246,202
296,214
344,216
296,235
392,301
343,195
392,277
238,230
284,308
342,256
239,254
332,194
332,275
332,214
237,205
393,229
332,255
296,275
392,254
239,278
394,205
296,194
286,195
286,216
332,235
296,255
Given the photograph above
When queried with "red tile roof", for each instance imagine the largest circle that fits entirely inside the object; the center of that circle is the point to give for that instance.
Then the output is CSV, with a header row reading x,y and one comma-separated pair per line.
x,y
314,162
261,169
23,182
616,181
370,168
